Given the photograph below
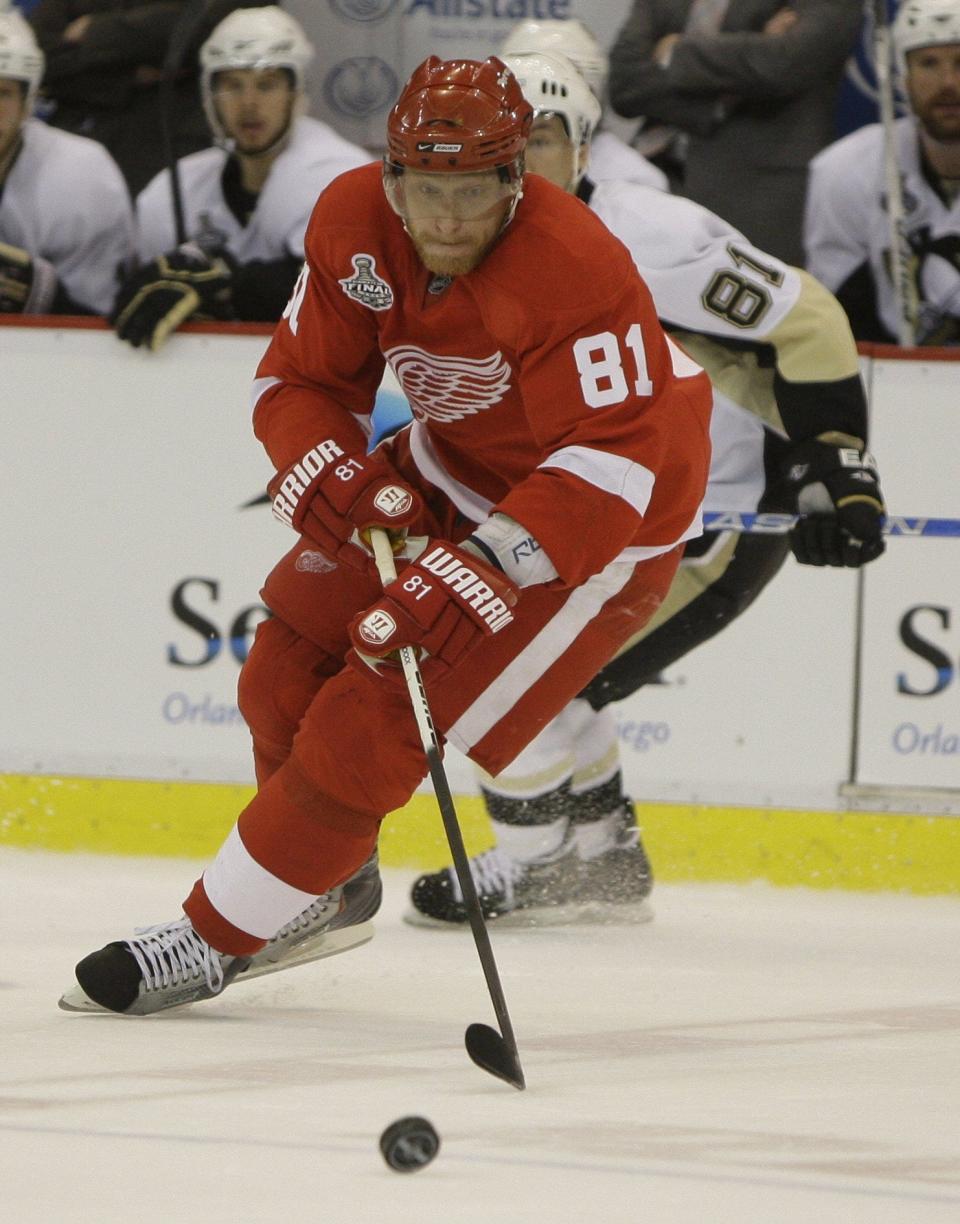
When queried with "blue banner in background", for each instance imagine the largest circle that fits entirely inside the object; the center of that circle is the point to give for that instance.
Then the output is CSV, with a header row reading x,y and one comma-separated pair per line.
x,y
857,103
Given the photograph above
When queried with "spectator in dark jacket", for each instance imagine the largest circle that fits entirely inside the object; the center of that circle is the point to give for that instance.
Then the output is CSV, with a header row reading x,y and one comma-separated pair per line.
x,y
746,90
104,61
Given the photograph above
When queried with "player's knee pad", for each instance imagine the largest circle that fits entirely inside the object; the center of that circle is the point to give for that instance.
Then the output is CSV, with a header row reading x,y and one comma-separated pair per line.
x,y
279,680
358,743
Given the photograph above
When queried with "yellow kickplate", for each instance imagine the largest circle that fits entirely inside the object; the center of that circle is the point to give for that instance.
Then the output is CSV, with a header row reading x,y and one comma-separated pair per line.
x,y
852,850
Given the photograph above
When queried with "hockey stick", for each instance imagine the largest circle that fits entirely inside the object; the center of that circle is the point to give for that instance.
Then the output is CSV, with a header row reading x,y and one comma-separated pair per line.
x,y
777,524
181,36
494,1052
901,257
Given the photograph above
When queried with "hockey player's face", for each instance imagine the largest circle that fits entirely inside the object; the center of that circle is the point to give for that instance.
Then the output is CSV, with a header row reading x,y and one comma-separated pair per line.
x,y
933,85
551,153
254,105
13,111
452,219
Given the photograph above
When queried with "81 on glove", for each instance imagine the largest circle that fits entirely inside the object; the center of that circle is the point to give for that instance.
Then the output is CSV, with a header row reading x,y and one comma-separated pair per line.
x,y
836,491
333,498
165,293
445,603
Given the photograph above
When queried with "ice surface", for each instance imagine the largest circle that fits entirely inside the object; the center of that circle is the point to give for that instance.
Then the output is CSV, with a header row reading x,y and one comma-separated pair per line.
x,y
753,1056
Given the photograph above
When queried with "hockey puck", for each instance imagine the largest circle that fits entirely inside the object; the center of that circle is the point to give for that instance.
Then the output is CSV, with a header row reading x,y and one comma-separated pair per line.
x,y
408,1144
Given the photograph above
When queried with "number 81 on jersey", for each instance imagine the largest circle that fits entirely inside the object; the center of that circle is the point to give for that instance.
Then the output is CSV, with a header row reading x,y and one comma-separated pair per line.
x,y
600,363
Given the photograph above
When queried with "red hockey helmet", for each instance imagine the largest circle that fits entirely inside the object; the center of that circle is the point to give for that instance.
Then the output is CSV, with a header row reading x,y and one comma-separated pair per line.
x,y
460,116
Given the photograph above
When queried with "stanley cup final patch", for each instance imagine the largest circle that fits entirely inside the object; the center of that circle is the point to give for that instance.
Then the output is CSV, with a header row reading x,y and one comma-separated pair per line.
x,y
365,286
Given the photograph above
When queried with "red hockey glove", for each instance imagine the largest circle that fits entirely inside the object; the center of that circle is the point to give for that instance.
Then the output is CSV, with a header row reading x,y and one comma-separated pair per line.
x,y
444,603
333,498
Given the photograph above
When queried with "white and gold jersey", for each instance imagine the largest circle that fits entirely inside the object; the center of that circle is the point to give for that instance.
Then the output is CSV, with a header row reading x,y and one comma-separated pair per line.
x,y
314,157
775,343
847,228
613,158
65,200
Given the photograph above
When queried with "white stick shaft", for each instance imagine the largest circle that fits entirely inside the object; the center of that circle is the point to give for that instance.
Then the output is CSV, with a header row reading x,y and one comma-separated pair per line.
x,y
901,256
387,569
509,1057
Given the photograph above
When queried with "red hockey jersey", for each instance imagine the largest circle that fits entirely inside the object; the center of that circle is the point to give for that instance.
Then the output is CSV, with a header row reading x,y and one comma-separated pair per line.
x,y
541,383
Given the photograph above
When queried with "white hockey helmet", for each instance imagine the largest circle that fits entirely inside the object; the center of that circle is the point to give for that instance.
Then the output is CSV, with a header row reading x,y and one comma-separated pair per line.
x,y
553,86
570,38
924,23
20,57
253,38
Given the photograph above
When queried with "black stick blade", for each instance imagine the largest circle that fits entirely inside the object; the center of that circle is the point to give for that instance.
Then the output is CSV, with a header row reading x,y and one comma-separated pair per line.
x,y
490,1052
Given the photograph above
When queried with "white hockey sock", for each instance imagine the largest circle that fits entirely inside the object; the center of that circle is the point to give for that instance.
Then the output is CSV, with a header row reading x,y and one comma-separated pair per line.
x,y
530,843
596,837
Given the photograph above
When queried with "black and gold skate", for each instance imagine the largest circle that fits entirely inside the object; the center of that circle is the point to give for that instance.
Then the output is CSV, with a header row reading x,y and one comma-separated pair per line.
x,y
613,886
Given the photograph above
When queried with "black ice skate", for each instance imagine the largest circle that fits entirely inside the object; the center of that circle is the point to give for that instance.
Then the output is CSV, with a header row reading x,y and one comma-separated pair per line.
x,y
170,965
612,886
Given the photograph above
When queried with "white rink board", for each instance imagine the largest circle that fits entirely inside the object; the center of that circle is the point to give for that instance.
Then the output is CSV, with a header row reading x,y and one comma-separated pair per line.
x,y
761,714
910,690
131,470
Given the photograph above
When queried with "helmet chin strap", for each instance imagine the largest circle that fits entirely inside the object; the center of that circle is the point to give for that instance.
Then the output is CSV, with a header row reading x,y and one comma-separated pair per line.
x,y
513,207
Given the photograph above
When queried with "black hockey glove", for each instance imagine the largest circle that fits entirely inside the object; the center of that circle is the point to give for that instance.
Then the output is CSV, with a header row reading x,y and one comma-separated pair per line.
x,y
169,290
834,487
27,283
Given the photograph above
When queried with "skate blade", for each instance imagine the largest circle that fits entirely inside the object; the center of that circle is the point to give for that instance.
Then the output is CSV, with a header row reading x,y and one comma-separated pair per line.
x,y
77,1000
590,913
330,944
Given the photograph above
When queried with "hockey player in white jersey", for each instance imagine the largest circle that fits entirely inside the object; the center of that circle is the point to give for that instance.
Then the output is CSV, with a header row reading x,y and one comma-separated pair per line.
x,y
247,200
610,157
847,230
788,432
66,225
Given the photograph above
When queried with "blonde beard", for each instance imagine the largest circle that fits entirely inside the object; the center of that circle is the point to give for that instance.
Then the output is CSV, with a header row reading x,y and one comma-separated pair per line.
x,y
451,265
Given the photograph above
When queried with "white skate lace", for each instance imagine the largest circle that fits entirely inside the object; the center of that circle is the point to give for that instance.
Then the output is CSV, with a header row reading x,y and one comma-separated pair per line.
x,y
173,952
493,871
312,914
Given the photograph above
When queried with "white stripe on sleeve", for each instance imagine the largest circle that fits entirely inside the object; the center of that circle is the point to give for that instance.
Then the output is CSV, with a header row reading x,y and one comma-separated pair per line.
x,y
683,365
260,387
612,473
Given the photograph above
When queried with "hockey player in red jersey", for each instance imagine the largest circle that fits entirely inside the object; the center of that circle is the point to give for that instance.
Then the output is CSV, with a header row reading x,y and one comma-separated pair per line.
x,y
538,503
789,427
